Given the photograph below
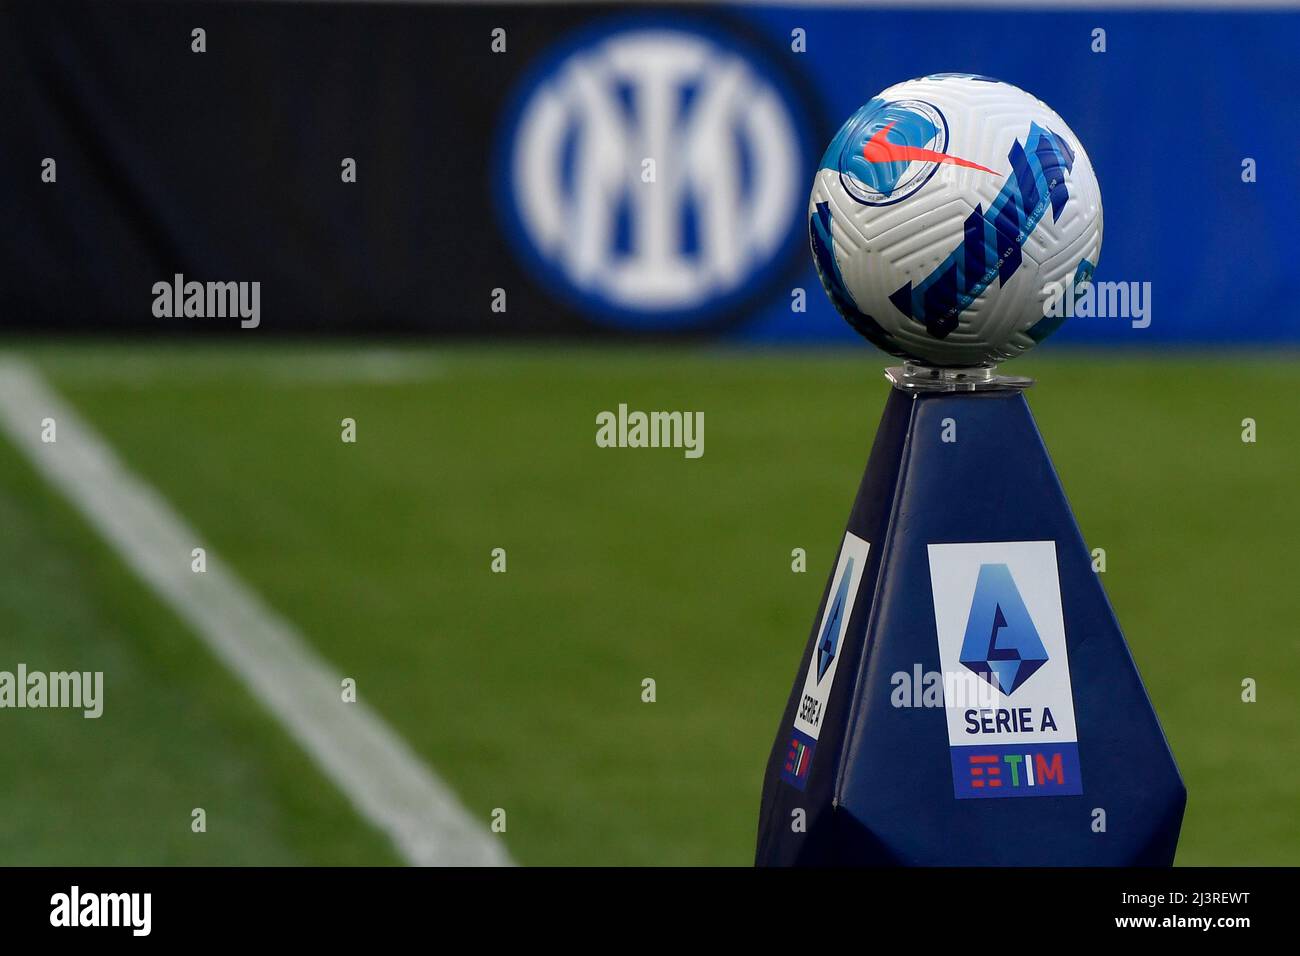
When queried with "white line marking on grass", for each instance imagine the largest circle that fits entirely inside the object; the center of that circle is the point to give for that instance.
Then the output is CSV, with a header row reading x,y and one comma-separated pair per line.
x,y
386,782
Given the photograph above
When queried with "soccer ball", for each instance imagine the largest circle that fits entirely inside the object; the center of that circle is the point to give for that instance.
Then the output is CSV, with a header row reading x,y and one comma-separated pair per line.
x,y
947,217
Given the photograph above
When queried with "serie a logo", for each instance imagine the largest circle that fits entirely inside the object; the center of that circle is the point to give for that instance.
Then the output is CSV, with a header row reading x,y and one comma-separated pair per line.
x,y
999,621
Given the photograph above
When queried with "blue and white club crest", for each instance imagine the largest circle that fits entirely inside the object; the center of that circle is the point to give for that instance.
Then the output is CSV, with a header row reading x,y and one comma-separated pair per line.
x,y
651,174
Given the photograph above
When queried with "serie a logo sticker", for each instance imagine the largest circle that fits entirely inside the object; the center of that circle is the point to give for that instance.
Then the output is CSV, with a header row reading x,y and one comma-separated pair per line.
x,y
824,660
1006,673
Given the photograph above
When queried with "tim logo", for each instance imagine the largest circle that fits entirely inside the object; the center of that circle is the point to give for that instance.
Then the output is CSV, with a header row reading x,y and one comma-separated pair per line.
x,y
652,174
798,760
1016,771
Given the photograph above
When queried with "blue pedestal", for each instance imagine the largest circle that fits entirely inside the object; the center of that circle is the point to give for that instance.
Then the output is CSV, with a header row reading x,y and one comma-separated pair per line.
x,y
966,697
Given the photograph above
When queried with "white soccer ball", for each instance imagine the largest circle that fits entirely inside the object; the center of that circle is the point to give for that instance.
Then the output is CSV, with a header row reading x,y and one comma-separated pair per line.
x,y
947,213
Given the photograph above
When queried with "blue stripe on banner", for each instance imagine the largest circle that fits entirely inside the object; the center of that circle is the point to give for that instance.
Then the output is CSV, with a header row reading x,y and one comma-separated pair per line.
x,y
1167,132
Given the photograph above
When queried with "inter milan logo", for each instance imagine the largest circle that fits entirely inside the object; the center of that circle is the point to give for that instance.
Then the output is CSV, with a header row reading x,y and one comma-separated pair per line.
x,y
653,174
1001,644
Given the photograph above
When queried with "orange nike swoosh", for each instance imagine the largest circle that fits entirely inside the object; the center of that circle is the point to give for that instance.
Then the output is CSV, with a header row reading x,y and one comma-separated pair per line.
x,y
878,149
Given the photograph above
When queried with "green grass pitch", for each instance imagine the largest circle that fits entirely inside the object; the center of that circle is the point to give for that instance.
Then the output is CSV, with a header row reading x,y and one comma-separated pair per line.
x,y
523,689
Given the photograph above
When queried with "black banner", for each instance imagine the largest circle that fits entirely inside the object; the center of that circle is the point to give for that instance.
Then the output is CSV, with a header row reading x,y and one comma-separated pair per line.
x,y
226,164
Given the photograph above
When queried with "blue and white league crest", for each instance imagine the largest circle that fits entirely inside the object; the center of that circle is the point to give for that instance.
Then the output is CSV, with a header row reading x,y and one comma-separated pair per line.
x,y
1001,644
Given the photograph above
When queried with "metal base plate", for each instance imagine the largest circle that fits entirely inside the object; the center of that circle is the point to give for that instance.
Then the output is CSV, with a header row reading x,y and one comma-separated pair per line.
x,y
925,378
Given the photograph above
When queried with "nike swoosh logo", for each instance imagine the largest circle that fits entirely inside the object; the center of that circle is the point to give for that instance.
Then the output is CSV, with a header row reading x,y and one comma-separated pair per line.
x,y
879,149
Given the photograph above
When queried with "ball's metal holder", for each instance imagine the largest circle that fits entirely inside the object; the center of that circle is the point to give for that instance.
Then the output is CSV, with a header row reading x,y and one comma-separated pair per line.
x,y
914,377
